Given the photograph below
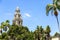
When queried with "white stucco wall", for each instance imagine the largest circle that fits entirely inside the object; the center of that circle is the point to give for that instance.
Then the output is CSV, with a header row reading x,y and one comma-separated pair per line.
x,y
55,38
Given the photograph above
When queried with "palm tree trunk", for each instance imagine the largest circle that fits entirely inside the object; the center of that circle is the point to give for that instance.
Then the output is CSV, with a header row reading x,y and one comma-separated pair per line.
x,y
58,23
1,30
38,36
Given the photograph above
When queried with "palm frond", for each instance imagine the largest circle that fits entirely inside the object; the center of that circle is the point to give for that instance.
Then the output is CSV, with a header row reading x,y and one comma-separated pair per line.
x,y
54,1
48,8
58,4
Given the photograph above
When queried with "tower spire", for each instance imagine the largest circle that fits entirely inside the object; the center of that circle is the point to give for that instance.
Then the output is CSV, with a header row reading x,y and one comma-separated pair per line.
x,y
17,17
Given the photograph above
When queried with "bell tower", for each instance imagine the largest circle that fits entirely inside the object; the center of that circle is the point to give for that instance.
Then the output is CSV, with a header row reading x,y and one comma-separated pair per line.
x,y
17,17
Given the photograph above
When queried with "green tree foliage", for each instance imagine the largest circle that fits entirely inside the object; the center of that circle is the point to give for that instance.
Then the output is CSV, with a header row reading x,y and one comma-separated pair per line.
x,y
22,32
41,34
48,29
47,32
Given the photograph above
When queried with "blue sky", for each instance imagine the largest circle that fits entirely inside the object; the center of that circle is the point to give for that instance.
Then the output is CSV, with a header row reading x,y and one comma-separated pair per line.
x,y
33,13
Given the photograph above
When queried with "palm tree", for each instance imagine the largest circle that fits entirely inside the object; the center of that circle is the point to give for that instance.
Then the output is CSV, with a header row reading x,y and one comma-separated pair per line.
x,y
41,33
7,23
0,29
54,10
38,29
48,29
2,24
47,32
38,33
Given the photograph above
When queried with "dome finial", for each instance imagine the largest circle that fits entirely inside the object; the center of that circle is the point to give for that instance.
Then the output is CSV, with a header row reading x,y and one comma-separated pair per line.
x,y
17,9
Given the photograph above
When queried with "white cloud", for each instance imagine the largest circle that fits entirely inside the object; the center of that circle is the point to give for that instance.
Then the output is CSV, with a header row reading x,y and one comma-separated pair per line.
x,y
27,15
